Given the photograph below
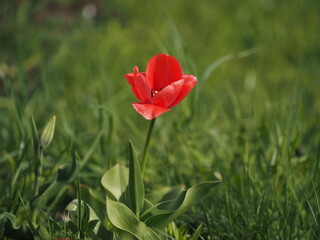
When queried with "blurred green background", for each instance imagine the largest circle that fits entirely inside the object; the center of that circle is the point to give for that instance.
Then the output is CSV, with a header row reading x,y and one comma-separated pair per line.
x,y
253,118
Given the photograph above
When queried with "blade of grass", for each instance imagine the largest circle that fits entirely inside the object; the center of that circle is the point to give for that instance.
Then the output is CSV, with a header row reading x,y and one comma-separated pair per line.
x,y
32,228
305,196
79,209
316,195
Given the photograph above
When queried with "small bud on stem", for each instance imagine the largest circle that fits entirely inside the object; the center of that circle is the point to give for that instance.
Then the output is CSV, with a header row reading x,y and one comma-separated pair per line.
x,y
47,133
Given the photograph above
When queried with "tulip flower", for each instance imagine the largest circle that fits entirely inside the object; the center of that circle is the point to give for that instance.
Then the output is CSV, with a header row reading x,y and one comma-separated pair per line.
x,y
161,87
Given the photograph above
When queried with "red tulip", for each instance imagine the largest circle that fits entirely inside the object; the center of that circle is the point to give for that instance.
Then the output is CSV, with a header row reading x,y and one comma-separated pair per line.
x,y
161,87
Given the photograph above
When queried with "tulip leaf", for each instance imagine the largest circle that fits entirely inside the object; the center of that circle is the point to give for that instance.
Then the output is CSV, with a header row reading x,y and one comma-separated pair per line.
x,y
124,219
43,233
115,181
165,194
147,205
135,191
163,213
90,219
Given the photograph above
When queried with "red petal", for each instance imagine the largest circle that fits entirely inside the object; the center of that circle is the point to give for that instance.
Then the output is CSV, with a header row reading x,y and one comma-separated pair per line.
x,y
131,80
130,76
167,95
142,87
149,111
162,70
190,82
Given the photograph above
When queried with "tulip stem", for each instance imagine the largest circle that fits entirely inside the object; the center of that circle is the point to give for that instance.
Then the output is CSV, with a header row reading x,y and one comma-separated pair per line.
x,y
38,173
146,147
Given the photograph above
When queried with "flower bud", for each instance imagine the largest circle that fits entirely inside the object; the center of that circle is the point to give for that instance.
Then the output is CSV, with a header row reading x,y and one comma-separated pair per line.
x,y
47,133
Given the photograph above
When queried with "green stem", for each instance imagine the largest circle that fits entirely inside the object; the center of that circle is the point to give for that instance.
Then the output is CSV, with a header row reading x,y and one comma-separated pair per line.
x,y
146,147
79,209
38,173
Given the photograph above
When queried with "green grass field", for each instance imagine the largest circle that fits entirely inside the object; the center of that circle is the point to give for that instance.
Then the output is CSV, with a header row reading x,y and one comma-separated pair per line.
x,y
253,119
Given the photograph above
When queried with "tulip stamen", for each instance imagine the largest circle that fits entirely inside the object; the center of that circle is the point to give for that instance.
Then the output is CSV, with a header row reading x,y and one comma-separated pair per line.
x,y
154,92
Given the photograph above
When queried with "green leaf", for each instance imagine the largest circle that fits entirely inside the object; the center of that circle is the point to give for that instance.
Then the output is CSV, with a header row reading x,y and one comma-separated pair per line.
x,y
93,226
213,66
135,191
124,219
72,226
64,175
8,228
147,205
163,213
44,234
165,193
17,175
91,222
115,181
89,213
35,139
196,234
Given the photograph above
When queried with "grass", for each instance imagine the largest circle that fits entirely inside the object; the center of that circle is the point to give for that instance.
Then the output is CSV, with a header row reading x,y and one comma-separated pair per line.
x,y
254,120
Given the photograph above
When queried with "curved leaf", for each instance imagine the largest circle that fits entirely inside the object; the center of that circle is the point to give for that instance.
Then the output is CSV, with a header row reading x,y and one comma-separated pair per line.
x,y
147,205
90,218
135,191
115,181
165,193
214,65
124,219
8,228
163,213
